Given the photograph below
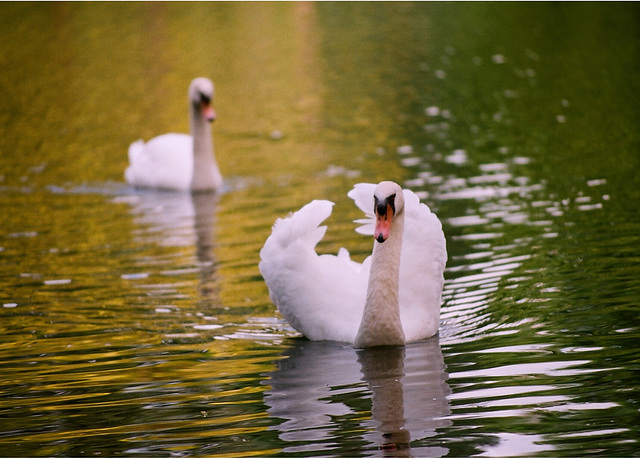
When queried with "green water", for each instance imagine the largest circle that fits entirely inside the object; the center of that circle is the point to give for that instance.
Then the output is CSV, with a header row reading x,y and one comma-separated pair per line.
x,y
137,323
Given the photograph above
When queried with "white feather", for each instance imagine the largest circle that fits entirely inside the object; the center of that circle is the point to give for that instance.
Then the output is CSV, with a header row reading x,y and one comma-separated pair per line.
x,y
164,162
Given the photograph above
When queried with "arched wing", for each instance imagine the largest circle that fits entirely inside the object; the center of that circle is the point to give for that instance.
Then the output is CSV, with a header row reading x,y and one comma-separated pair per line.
x,y
423,259
321,296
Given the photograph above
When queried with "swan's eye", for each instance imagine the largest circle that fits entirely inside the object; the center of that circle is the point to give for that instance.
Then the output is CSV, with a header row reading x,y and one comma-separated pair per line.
x,y
205,99
380,207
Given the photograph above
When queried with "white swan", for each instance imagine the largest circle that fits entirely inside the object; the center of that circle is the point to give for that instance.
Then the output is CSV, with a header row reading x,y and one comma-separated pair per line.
x,y
392,298
180,161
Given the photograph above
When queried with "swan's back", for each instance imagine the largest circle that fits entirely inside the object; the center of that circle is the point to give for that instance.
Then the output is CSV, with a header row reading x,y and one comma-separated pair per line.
x,y
163,162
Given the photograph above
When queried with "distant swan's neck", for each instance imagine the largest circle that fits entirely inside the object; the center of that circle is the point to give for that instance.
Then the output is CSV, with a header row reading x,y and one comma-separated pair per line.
x,y
206,174
380,325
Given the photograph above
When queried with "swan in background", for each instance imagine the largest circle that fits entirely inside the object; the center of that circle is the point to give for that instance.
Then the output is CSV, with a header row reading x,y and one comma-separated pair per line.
x,y
180,161
392,298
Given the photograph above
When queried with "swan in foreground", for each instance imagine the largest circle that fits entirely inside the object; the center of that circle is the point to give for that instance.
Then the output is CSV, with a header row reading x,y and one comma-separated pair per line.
x,y
180,161
392,298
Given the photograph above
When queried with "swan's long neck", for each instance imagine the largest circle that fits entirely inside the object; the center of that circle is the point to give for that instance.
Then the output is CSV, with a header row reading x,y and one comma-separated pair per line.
x,y
206,174
380,325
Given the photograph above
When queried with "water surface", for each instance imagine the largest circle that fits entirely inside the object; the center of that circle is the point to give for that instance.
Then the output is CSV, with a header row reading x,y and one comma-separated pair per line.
x,y
136,323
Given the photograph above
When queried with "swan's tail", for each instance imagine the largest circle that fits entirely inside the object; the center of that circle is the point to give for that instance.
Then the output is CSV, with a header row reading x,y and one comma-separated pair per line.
x,y
136,150
302,226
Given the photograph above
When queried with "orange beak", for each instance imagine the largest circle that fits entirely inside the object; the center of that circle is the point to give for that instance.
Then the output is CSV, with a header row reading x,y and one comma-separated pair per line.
x,y
208,111
383,223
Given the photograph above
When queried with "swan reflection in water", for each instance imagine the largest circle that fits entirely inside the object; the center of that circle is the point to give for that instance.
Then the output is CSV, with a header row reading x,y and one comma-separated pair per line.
x,y
324,391
178,219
